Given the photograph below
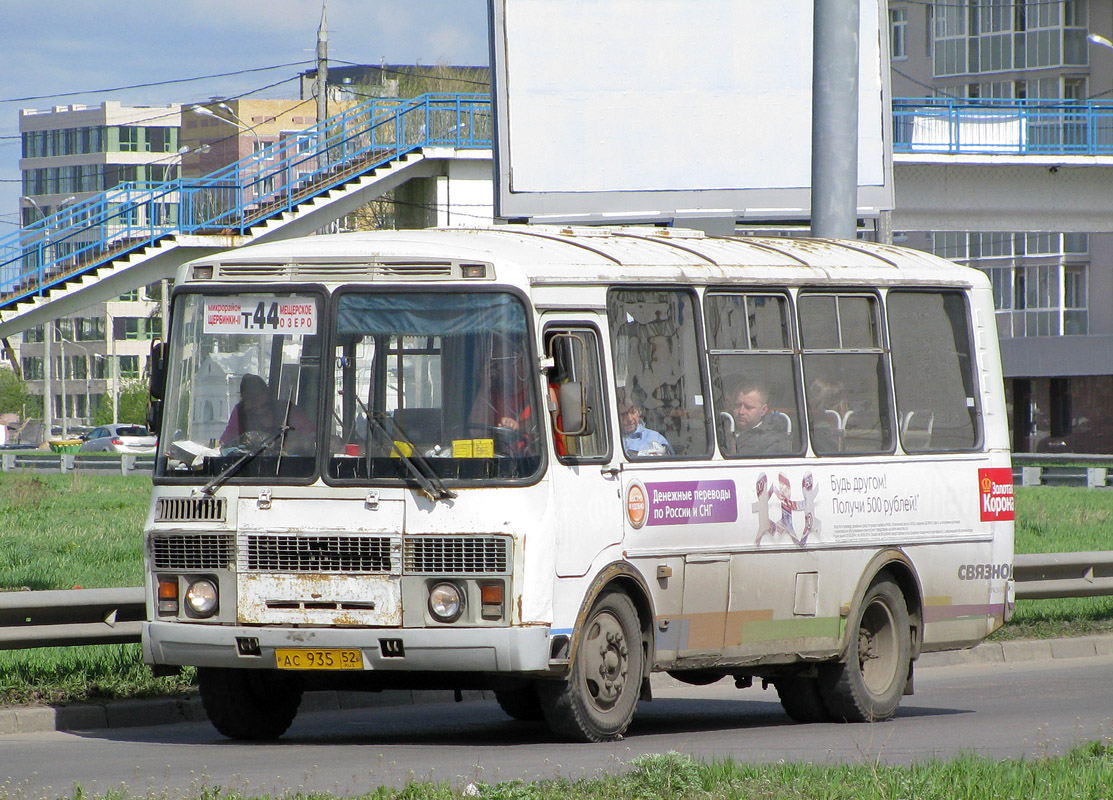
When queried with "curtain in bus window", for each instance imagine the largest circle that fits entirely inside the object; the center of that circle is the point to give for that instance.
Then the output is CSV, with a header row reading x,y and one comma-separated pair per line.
x,y
753,375
933,371
845,374
657,369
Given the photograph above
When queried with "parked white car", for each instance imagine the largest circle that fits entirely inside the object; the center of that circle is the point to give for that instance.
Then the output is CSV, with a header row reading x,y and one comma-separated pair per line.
x,y
119,438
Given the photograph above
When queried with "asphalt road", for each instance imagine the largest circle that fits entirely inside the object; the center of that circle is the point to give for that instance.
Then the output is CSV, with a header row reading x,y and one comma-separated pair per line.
x,y
999,710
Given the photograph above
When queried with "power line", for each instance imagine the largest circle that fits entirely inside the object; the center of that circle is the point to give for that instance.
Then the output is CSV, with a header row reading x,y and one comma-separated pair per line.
x,y
155,83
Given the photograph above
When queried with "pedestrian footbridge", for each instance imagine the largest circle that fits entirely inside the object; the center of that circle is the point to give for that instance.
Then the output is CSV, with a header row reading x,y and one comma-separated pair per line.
x,y
136,233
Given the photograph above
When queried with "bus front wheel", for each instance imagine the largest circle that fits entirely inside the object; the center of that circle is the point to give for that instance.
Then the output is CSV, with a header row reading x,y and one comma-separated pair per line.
x,y
249,704
596,703
868,686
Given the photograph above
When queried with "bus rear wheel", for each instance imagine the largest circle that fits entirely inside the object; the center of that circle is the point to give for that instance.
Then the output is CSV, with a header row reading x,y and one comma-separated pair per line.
x,y
868,686
597,701
249,704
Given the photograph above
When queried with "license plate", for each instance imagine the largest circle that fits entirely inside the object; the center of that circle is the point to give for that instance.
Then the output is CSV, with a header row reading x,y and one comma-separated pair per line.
x,y
301,658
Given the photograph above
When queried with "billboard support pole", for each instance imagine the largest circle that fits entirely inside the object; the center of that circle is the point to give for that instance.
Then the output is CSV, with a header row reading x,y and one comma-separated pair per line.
x,y
834,194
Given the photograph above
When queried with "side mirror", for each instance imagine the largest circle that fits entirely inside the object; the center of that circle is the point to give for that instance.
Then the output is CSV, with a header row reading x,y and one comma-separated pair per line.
x,y
154,416
156,384
577,416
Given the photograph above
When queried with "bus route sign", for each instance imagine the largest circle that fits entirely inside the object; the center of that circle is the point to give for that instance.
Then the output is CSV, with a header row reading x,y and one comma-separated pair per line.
x,y
252,315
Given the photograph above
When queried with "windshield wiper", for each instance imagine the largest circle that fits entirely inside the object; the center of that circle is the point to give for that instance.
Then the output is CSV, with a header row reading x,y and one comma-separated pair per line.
x,y
427,480
234,467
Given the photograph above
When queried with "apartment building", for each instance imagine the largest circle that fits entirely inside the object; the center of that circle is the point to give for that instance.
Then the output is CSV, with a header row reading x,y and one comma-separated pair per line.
x,y
1053,289
73,152
93,355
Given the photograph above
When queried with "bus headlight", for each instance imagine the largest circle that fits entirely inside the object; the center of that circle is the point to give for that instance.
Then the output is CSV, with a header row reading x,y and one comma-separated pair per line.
x,y
446,602
201,598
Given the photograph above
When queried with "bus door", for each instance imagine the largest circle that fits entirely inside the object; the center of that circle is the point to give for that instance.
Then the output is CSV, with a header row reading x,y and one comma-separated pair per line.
x,y
585,495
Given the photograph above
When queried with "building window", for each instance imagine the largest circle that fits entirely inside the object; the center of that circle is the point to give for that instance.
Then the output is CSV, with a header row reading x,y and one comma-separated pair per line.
x,y
160,140
129,367
138,328
898,33
130,296
1075,322
32,368
129,139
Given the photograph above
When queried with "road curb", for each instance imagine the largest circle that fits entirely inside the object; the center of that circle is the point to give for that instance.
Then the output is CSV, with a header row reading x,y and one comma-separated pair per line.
x,y
1022,650
167,711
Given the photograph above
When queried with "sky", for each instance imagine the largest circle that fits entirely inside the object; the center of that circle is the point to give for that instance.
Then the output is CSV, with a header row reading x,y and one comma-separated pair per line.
x,y
51,48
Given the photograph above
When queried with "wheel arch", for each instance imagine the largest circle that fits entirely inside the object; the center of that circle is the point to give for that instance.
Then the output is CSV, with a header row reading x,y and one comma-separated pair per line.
x,y
621,576
895,565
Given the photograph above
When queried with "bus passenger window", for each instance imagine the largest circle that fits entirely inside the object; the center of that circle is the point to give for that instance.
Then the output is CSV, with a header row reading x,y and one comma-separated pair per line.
x,y
933,371
846,374
753,375
657,365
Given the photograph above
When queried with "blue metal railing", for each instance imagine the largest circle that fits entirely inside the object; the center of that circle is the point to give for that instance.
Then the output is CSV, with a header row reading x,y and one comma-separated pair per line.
x,y
1003,127
233,199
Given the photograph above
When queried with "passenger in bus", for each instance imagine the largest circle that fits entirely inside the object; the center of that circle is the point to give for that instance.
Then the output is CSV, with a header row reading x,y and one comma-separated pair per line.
x,y
258,412
756,428
637,439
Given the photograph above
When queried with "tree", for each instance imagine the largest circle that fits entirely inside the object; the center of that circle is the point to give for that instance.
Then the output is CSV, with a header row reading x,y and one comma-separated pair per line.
x,y
131,403
14,397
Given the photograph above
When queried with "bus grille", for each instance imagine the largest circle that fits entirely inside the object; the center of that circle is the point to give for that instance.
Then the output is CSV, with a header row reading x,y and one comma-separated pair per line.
x,y
318,553
191,551
190,509
457,554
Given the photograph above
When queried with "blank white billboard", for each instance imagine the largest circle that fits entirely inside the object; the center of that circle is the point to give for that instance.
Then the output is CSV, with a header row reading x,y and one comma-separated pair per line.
x,y
661,109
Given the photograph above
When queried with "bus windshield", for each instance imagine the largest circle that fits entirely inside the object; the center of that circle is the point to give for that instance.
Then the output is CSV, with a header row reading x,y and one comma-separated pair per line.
x,y
242,385
432,382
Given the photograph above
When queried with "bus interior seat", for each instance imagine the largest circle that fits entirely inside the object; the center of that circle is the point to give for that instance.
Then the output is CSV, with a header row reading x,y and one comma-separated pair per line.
x,y
916,429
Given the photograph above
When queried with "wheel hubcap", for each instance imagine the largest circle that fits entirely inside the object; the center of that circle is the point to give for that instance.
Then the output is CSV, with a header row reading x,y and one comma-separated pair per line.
x,y
878,648
607,661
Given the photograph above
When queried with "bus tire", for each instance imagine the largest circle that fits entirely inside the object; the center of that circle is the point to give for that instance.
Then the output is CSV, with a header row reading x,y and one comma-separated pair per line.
x,y
867,687
596,703
801,699
522,703
249,704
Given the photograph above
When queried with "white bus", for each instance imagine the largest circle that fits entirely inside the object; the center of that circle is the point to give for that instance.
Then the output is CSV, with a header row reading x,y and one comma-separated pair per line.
x,y
549,462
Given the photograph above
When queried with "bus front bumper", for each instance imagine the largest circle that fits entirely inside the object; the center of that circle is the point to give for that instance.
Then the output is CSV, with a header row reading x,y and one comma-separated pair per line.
x,y
396,649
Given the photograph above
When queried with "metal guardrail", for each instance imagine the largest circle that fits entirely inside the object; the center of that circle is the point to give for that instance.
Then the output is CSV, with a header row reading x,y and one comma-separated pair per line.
x,y
111,616
70,617
1051,575
38,461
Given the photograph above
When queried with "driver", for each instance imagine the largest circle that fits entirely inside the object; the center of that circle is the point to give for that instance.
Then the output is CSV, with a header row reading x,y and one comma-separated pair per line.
x,y
505,399
258,412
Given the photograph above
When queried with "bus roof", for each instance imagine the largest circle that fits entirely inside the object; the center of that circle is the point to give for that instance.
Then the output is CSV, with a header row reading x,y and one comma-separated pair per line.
x,y
540,254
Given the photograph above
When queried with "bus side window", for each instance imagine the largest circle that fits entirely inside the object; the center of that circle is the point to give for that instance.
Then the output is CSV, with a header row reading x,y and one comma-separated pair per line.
x,y
576,377
754,374
933,371
846,374
657,366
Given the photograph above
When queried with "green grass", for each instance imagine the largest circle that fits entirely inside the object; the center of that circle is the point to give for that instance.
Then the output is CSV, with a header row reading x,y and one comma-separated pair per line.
x,y
1062,520
60,531
1085,773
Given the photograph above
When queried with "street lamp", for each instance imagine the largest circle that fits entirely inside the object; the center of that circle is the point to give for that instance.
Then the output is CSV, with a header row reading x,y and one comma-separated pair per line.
x,y
235,122
1098,39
